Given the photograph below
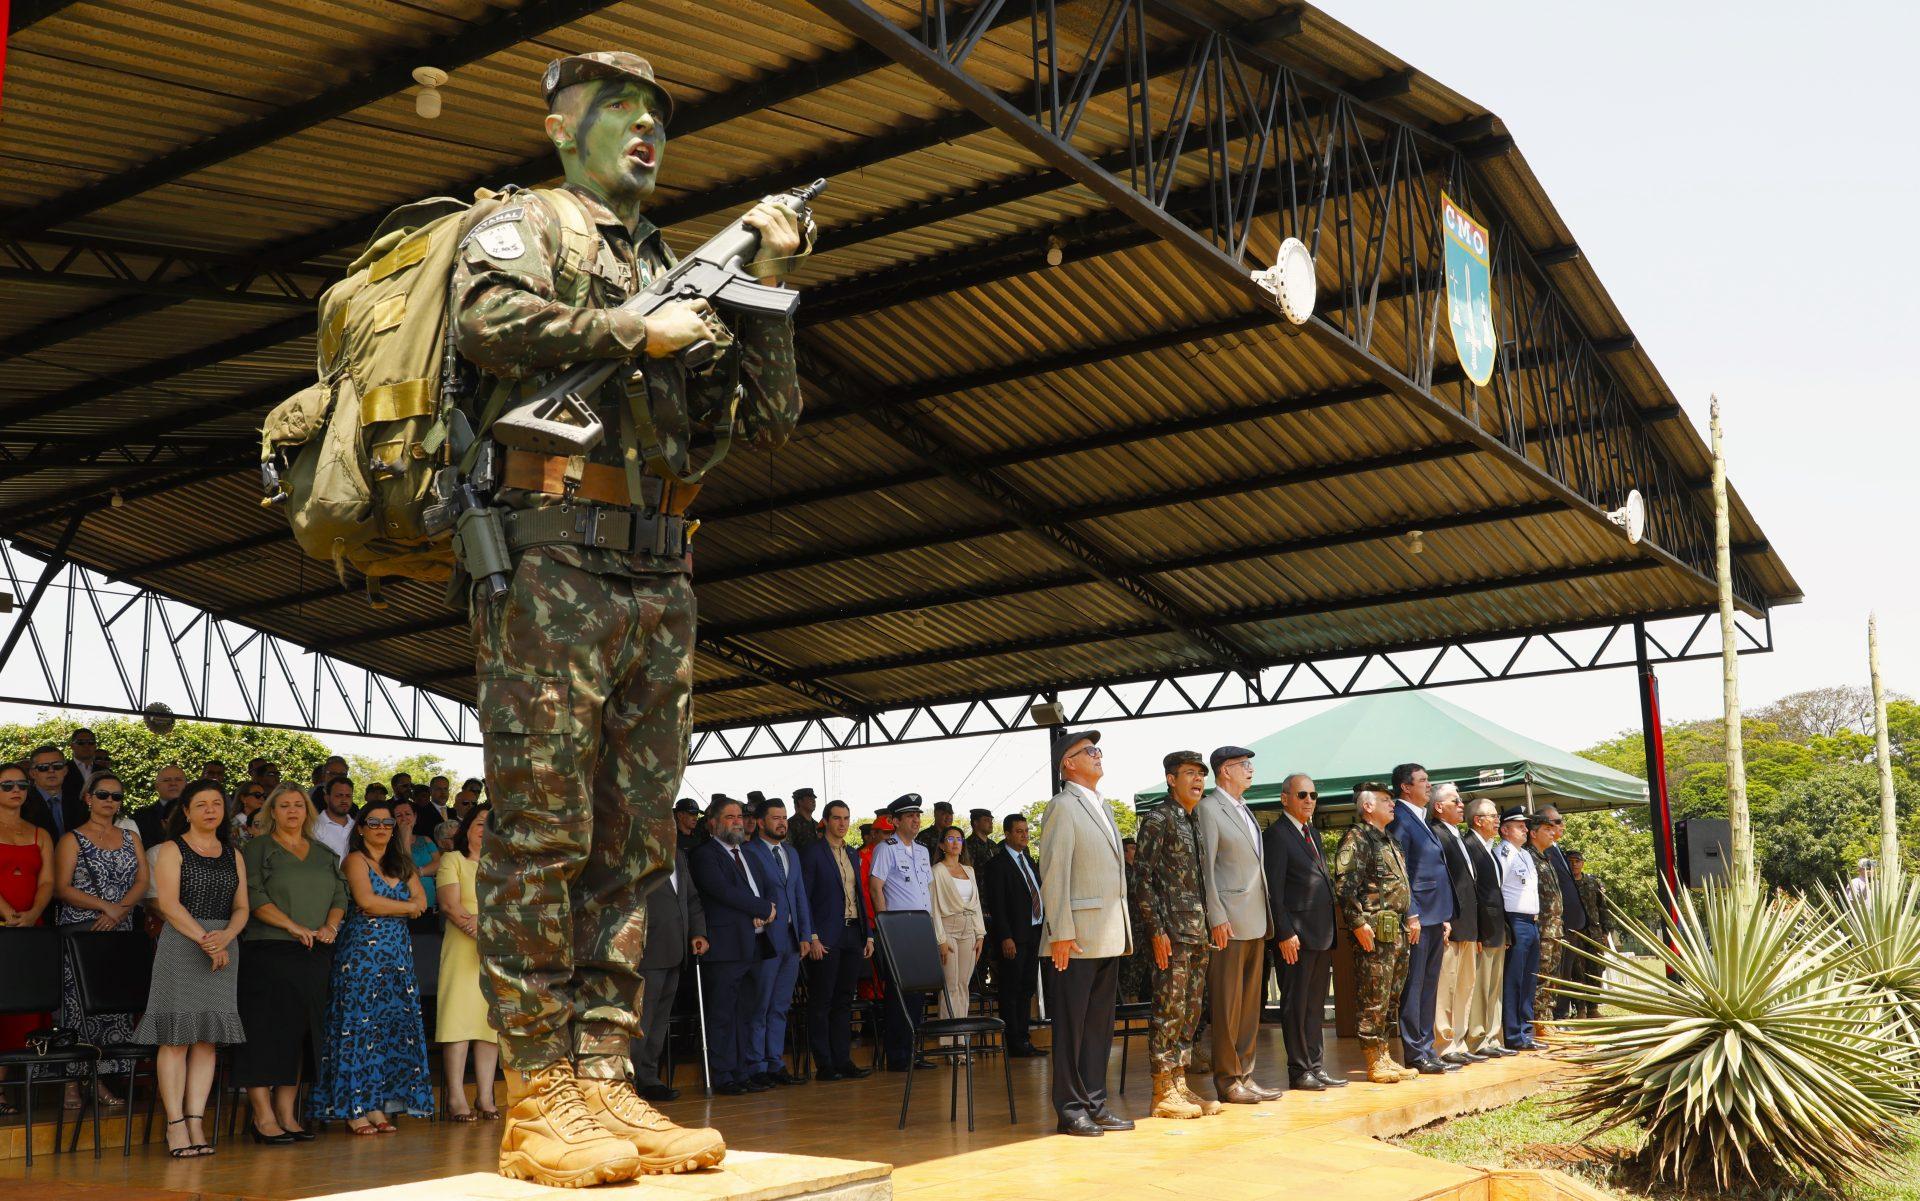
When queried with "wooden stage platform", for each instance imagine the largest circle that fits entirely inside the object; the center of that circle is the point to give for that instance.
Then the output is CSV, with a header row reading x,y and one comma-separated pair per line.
x,y
1306,1144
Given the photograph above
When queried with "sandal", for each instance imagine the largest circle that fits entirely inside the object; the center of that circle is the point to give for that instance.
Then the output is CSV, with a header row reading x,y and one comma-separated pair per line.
x,y
369,1128
384,1127
468,1116
186,1152
201,1150
489,1115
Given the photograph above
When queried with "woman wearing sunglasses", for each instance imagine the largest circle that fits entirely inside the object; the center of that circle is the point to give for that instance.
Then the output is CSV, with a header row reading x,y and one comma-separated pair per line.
x,y
376,1053
99,870
26,885
192,1005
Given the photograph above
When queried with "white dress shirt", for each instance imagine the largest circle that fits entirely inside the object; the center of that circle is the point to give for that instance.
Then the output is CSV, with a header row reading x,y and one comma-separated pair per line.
x,y
1519,886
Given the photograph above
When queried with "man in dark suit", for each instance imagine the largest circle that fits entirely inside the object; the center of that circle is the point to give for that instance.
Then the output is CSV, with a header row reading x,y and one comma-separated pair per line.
x,y
739,907
778,866
83,762
676,924
1453,1004
47,805
1301,894
831,873
1010,895
1574,919
1490,966
1433,905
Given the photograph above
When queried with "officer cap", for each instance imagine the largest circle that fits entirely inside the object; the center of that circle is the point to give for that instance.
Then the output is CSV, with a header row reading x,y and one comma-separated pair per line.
x,y
1225,754
605,64
972,813
905,803
1516,813
802,792
1179,759
686,804
1067,741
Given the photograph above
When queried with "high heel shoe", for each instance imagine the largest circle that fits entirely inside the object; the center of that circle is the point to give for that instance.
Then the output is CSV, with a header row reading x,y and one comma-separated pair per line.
x,y
200,1150
299,1136
286,1138
186,1152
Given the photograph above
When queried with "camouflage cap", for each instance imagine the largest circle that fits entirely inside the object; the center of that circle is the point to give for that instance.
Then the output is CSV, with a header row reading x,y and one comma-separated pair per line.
x,y
604,64
1175,760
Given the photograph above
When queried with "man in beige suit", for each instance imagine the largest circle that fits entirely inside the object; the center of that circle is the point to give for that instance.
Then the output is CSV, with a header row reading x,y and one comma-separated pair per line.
x,y
1234,857
1083,883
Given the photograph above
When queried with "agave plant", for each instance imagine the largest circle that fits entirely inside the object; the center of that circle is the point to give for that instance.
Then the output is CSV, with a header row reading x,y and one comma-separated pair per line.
x,y
1749,1050
1884,923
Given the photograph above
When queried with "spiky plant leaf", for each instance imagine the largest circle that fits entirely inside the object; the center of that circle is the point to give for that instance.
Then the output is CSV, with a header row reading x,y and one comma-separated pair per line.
x,y
1884,923
1752,1046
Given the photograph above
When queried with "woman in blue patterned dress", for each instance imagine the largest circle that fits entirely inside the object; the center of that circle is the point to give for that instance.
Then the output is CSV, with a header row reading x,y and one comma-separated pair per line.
x,y
376,1054
99,871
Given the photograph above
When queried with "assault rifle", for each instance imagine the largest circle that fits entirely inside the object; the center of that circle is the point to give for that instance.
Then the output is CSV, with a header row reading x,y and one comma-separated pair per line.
x,y
560,420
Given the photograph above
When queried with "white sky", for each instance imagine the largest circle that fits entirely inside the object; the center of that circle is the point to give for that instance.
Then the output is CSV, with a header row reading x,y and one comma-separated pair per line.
x,y
1741,177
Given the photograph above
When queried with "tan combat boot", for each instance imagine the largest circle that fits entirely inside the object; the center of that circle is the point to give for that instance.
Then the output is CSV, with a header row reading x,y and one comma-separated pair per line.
x,y
1207,1108
1168,1102
1406,1073
664,1147
550,1138
1380,1066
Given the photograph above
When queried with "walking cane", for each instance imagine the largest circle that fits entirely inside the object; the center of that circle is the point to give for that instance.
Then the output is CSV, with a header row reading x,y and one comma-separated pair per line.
x,y
700,991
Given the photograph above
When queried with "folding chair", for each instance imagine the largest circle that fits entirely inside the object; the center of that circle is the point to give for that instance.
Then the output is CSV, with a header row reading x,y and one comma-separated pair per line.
x,y
31,984
1131,1019
907,939
114,971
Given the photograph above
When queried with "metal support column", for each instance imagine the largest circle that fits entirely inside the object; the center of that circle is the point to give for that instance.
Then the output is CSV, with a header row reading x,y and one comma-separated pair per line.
x,y
57,563
1660,810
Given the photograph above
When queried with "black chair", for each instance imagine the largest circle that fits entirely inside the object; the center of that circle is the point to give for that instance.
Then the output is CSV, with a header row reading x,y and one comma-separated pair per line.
x,y
30,983
907,940
114,972
1130,1019
426,976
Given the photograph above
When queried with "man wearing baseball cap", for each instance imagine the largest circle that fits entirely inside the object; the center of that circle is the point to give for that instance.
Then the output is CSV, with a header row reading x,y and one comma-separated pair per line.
x,y
1083,882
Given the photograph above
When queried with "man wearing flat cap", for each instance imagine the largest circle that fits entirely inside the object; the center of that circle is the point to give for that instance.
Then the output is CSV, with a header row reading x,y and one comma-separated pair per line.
x,y
1083,881
1520,897
803,828
902,878
1239,920
585,667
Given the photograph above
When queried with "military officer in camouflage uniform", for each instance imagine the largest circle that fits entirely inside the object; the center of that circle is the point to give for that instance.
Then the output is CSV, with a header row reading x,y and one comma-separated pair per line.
x,y
1599,931
1371,890
1171,907
585,667
980,842
1540,831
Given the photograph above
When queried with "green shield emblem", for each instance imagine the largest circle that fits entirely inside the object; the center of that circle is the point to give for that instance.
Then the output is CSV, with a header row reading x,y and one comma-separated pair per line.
x,y
1469,291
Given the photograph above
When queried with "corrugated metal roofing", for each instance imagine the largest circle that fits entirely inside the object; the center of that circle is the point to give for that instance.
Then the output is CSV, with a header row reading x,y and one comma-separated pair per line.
x,y
1250,477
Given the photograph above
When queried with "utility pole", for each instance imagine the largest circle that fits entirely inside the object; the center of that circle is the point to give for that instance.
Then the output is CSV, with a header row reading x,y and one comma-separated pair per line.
x,y
1883,755
1740,821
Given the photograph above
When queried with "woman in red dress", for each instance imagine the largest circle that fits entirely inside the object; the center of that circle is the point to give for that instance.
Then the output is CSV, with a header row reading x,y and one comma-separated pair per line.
x,y
26,885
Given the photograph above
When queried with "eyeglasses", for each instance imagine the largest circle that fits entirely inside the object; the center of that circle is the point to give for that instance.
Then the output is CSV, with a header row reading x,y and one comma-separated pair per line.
x,y
49,767
107,794
13,785
1094,751
378,823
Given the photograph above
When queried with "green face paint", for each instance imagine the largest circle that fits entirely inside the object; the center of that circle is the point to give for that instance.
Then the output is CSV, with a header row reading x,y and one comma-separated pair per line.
x,y
618,143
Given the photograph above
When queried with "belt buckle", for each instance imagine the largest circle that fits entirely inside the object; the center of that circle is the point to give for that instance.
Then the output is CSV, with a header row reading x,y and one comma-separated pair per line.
x,y
589,525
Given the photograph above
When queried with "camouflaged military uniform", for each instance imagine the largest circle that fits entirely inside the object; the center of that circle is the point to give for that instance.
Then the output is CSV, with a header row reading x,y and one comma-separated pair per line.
x,y
1371,889
1168,899
585,668
1593,898
1552,934
982,850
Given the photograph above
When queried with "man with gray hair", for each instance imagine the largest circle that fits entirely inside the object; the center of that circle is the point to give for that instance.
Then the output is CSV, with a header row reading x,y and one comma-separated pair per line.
x,y
1490,965
1453,1000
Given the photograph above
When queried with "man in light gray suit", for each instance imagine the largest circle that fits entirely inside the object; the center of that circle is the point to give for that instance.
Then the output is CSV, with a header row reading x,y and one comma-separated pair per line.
x,y
1234,857
676,924
1083,884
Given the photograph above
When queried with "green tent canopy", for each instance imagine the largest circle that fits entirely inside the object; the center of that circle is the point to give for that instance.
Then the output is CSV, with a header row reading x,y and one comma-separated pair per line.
x,y
1364,738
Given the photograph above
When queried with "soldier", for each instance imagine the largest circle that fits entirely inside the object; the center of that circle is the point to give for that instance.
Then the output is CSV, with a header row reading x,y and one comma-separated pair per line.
x,y
1540,830
585,668
1136,970
803,828
1370,884
981,842
1172,908
1599,933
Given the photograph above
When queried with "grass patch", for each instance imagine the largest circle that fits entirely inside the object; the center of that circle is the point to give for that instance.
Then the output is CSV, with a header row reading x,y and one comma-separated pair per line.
x,y
1527,1134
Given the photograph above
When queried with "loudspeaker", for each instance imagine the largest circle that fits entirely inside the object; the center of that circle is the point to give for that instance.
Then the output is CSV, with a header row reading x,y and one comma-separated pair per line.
x,y
1702,847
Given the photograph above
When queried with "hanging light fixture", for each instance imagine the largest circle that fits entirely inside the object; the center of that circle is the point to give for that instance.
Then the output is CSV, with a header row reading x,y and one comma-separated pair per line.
x,y
426,102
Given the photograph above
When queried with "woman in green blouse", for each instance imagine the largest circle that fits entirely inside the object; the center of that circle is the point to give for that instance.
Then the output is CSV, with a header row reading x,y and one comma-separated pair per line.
x,y
298,897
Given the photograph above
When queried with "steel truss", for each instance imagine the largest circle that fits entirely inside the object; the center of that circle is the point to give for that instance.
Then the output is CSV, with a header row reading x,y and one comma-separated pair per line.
x,y
1674,638
1285,153
111,648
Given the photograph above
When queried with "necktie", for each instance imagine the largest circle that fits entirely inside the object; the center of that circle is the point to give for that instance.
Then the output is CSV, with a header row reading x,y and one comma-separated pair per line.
x,y
1026,875
780,857
742,865
1313,844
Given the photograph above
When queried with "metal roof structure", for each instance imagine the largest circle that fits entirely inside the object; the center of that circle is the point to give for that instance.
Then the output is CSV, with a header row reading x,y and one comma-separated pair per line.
x,y
1055,438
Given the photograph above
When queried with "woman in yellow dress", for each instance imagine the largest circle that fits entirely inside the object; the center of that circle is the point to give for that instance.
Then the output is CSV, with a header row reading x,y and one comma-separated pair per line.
x,y
461,1012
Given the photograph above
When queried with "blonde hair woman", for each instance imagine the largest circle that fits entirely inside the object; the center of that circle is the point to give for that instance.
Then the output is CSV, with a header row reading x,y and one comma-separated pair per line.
x,y
958,921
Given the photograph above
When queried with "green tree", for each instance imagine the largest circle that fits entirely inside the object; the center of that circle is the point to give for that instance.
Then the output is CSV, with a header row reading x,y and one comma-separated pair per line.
x,y
422,767
1123,816
138,752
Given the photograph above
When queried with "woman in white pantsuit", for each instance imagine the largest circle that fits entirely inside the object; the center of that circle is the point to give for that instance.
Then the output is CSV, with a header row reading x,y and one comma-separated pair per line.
x,y
957,920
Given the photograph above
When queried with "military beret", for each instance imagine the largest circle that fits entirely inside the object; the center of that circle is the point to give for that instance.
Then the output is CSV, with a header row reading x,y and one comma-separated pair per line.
x,y
905,803
604,64
1226,754
1174,761
1068,740
1516,813
971,813
686,804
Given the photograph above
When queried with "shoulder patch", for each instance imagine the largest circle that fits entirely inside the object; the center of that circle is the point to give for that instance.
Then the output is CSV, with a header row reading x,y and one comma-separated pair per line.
x,y
498,237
